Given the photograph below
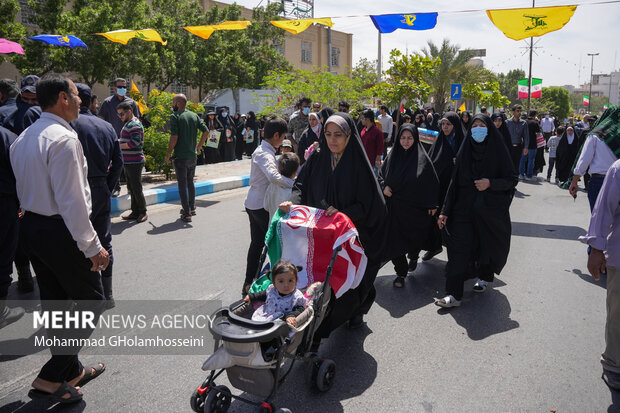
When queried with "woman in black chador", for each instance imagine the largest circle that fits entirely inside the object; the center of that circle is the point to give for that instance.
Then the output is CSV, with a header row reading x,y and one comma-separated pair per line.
x,y
566,153
411,190
227,139
475,212
337,177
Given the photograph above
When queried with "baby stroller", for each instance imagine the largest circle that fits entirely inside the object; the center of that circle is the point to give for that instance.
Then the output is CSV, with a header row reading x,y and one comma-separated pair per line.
x,y
253,353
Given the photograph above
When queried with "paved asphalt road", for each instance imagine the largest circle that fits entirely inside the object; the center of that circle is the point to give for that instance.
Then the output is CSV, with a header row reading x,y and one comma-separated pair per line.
x,y
529,344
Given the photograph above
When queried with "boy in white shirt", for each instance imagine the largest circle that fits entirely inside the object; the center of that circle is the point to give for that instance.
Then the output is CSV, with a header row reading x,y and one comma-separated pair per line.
x,y
288,164
552,146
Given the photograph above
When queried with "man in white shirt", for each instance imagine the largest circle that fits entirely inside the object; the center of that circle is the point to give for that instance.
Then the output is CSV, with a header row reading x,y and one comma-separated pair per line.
x,y
52,187
387,124
548,126
264,170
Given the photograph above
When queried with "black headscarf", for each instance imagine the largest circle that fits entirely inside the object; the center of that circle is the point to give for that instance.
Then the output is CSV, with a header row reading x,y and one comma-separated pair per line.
x,y
251,122
466,125
324,114
415,189
503,129
442,154
489,209
566,154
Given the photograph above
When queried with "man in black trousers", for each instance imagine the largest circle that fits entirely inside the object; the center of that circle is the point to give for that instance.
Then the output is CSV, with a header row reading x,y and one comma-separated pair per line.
x,y
8,227
105,163
53,191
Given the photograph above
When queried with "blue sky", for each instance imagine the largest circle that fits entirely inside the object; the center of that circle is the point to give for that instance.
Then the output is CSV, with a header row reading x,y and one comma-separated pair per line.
x,y
561,56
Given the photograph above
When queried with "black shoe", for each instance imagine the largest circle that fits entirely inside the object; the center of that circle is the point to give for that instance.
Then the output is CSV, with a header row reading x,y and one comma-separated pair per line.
x,y
413,264
107,292
9,315
25,284
356,322
431,254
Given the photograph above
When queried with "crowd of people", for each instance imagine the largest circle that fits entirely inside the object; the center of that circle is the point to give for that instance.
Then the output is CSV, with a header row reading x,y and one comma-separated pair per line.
x,y
61,163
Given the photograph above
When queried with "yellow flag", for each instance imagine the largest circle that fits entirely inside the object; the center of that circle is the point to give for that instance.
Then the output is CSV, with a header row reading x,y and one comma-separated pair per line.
x,y
298,26
140,103
206,31
123,36
518,24
462,108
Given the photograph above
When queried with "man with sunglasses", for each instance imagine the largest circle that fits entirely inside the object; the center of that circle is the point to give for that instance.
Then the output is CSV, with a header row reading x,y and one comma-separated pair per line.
x,y
519,135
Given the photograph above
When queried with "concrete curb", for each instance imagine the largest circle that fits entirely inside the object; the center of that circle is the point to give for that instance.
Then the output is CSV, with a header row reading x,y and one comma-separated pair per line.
x,y
171,193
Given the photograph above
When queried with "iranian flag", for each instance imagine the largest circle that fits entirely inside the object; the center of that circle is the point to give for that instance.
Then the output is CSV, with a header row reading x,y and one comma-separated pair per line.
x,y
536,88
586,100
307,237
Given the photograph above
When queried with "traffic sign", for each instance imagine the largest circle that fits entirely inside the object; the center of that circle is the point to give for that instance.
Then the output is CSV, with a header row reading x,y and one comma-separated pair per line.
x,y
455,91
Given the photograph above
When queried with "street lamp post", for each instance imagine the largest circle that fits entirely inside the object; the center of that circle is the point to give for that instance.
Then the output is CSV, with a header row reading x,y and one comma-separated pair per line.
x,y
591,72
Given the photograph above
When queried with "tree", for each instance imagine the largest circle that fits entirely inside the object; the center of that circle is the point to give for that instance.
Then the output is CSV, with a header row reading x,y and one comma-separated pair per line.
x,y
596,102
452,68
508,84
405,79
556,100
8,28
482,87
365,72
317,84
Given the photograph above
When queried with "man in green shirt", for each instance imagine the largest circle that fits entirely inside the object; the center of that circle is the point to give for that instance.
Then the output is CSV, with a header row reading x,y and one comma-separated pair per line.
x,y
184,126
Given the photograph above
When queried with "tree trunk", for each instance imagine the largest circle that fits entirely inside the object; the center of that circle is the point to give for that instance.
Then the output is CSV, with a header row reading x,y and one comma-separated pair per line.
x,y
236,98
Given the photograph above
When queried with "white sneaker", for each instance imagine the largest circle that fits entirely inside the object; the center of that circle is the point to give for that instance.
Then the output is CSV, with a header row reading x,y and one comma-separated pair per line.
x,y
447,302
480,286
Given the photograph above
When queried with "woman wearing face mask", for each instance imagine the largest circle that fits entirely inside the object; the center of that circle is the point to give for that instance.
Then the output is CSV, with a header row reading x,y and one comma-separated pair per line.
x,y
411,190
566,153
337,177
310,135
475,212
227,139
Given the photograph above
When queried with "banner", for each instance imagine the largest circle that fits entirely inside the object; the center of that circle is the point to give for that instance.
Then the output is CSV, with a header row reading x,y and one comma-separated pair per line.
x,y
387,23
519,24
123,36
7,46
427,136
56,40
206,31
586,100
536,88
298,26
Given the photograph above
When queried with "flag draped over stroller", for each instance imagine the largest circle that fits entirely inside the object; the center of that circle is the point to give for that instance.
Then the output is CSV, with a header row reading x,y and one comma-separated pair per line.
x,y
306,237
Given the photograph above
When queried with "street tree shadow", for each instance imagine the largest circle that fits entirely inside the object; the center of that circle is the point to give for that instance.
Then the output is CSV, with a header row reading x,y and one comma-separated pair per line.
x,y
356,371
602,282
530,229
483,315
420,289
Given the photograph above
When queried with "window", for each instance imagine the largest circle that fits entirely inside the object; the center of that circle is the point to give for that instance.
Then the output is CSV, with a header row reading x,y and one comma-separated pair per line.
x,y
27,13
279,46
335,56
178,88
306,52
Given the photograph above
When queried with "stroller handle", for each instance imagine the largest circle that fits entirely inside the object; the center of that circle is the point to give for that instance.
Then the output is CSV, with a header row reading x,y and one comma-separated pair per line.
x,y
330,267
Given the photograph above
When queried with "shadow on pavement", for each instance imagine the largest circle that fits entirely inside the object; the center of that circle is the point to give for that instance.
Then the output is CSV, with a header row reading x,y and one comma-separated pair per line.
x,y
588,278
37,406
169,227
419,291
528,229
519,194
118,227
483,315
356,371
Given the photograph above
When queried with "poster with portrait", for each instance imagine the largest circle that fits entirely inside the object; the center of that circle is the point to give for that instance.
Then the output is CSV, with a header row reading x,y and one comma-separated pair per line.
x,y
214,139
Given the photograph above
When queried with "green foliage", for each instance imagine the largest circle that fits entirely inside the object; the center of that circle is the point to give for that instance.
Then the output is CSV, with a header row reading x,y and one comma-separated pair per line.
x,y
596,102
483,88
406,79
366,72
157,136
452,69
318,84
508,83
555,100
8,28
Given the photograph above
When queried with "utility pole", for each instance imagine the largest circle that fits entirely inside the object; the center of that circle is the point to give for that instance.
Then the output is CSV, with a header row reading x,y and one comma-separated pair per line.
x,y
379,57
529,77
591,73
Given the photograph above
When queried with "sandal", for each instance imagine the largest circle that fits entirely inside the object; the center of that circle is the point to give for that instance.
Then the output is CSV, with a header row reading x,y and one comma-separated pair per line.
x,y
98,369
399,282
56,397
448,301
480,286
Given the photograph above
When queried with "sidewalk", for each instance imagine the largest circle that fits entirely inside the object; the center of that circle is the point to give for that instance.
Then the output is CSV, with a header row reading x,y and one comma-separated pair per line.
x,y
208,179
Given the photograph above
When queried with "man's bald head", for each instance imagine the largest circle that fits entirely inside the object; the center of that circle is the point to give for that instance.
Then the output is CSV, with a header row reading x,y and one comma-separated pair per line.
x,y
180,101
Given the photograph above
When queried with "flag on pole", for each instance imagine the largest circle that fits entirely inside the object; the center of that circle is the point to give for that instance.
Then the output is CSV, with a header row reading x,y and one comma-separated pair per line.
x,y
307,237
519,24
206,31
123,36
387,23
298,26
56,40
586,100
6,46
462,108
536,88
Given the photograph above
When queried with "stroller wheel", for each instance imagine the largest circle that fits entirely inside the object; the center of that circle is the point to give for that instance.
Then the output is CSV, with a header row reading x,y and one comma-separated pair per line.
x,y
197,401
218,400
325,375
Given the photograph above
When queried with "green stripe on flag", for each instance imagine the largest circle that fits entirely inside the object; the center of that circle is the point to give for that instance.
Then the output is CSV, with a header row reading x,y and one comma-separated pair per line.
x,y
273,238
